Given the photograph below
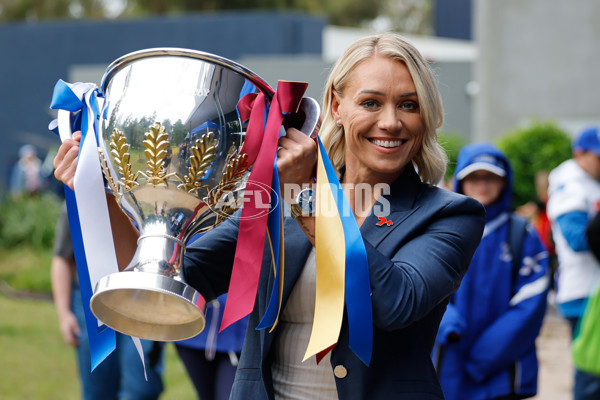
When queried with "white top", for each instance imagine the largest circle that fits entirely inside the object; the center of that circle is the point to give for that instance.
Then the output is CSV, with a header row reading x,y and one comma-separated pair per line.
x,y
573,189
292,378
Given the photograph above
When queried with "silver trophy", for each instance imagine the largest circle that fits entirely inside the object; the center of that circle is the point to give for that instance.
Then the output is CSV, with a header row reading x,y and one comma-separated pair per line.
x,y
172,137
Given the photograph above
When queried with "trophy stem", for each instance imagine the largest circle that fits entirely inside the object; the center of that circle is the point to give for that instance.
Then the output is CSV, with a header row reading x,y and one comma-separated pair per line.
x,y
148,300
159,254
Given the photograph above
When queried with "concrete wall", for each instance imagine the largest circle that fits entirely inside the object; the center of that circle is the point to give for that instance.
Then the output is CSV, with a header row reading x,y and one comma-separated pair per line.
x,y
35,56
539,59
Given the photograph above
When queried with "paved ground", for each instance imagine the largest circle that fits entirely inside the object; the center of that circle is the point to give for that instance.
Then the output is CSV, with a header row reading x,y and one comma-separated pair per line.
x,y
556,368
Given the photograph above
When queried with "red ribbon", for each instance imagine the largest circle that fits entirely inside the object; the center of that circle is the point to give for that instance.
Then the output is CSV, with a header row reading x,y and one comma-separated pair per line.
x,y
253,223
252,108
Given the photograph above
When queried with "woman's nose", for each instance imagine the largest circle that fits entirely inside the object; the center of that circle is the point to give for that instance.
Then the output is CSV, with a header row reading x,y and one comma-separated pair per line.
x,y
390,119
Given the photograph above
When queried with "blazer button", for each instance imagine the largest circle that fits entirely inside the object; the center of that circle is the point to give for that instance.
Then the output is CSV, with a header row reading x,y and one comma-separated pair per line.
x,y
340,371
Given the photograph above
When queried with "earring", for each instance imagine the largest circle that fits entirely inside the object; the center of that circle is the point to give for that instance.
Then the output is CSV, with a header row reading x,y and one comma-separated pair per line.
x,y
338,123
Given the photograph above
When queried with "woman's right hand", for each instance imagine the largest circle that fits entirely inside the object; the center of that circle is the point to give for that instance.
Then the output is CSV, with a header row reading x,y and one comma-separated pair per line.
x,y
65,161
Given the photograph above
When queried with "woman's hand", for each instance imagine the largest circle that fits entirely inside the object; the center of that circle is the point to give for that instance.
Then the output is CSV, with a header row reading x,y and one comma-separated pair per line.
x,y
65,161
296,160
296,163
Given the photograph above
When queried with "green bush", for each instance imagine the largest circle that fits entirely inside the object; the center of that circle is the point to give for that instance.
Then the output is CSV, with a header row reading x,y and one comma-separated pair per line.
x,y
539,146
29,221
27,228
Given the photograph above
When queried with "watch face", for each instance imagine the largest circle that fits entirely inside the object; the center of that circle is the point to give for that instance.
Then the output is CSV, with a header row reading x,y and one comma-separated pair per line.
x,y
306,200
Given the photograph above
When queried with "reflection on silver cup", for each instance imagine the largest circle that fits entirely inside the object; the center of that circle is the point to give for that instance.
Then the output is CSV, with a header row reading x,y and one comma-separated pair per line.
x,y
170,152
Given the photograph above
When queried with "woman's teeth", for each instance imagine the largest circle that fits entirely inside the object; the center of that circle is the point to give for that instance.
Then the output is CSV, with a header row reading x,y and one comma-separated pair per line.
x,y
386,143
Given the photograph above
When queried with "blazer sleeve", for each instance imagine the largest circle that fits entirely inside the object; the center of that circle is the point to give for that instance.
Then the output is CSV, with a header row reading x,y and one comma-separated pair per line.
x,y
208,261
415,269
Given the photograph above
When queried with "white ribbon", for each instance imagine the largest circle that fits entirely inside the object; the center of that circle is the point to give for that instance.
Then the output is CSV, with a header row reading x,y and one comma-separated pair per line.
x,y
90,195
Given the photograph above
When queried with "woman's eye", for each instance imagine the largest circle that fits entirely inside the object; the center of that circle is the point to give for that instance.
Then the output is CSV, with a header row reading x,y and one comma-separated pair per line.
x,y
409,106
369,104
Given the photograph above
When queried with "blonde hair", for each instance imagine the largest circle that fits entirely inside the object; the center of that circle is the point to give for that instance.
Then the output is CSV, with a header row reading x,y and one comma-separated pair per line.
x,y
431,159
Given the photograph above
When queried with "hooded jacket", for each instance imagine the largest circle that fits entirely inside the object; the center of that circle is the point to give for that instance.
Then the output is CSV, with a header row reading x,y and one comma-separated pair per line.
x,y
485,346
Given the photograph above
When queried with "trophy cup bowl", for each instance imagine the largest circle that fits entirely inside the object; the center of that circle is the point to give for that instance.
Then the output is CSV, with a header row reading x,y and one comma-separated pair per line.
x,y
170,150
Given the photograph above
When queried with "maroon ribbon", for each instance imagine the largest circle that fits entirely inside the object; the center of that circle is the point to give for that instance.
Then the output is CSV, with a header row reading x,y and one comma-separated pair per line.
x,y
260,143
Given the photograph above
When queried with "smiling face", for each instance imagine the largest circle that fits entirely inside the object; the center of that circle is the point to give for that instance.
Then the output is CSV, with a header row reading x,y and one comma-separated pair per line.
x,y
380,113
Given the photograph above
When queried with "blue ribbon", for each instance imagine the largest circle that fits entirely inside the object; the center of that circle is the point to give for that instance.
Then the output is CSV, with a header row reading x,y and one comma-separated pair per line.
x,y
102,339
274,232
357,283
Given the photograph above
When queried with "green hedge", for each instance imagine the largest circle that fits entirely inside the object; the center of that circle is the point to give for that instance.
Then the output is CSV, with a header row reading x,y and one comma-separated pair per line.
x,y
29,221
27,228
539,146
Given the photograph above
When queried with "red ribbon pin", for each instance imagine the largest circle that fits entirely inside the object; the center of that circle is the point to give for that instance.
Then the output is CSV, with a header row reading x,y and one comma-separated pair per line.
x,y
384,221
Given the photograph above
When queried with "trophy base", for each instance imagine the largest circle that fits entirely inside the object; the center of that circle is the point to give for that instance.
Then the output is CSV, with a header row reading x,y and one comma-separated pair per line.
x,y
148,306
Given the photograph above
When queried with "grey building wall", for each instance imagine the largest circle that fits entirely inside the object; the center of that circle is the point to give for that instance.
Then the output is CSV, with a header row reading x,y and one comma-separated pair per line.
x,y
453,78
538,60
35,56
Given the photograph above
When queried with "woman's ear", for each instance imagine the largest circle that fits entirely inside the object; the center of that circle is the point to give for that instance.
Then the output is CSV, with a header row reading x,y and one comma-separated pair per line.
x,y
335,105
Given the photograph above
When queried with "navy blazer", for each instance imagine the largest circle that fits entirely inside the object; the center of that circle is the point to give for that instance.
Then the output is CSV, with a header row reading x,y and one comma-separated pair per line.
x,y
414,264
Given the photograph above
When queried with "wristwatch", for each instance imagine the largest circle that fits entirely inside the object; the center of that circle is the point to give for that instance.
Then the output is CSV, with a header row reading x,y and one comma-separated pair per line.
x,y
304,205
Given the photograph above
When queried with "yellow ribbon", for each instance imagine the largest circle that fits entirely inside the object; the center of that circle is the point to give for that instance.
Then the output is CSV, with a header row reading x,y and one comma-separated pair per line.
x,y
331,266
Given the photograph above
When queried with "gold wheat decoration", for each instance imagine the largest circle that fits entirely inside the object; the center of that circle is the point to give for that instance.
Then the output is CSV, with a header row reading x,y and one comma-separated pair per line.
x,y
203,154
234,171
156,144
106,171
120,152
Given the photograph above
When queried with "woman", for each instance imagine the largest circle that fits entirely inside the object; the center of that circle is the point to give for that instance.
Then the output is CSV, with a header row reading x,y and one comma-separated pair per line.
x,y
381,110
486,342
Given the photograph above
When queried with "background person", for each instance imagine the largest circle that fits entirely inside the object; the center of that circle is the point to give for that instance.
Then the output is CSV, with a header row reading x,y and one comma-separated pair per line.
x,y
25,178
574,199
121,375
211,357
592,233
486,343
536,212
381,109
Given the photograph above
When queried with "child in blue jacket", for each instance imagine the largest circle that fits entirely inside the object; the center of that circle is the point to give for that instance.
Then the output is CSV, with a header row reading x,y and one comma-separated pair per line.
x,y
485,348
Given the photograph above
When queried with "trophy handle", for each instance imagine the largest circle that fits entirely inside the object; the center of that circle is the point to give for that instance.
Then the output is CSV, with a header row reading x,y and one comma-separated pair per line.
x,y
312,119
307,119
